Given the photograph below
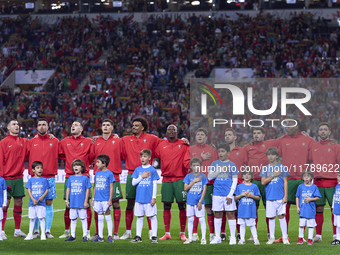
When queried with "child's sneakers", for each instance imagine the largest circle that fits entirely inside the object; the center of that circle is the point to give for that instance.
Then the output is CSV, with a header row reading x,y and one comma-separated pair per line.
x,y
310,242
154,239
285,240
211,237
251,238
195,237
85,239
188,241
203,241
137,239
35,235
241,242
300,240
216,240
70,239
109,239
43,237
49,235
232,241
256,242
29,237
271,241
335,242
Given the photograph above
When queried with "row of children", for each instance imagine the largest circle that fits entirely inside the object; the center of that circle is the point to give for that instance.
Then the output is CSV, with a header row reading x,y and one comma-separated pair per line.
x,y
225,194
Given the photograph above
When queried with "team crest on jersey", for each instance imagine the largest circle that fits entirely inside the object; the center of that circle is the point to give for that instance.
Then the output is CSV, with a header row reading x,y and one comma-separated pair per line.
x,y
81,144
237,153
179,146
51,144
329,149
113,142
264,146
21,144
144,140
303,144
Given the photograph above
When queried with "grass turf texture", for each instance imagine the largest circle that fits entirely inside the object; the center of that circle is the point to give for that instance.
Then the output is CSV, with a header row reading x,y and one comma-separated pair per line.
x,y
15,245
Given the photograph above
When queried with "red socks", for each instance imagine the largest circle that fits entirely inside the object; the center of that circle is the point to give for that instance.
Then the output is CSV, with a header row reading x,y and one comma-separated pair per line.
x,y
149,223
89,218
96,221
194,231
319,222
17,212
224,222
4,218
67,219
211,223
267,221
183,219
167,219
116,218
287,215
128,219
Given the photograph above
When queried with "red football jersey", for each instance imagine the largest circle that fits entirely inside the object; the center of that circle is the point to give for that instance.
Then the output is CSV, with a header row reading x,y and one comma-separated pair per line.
x,y
45,150
197,150
295,153
132,146
175,159
75,148
13,154
326,160
113,148
239,157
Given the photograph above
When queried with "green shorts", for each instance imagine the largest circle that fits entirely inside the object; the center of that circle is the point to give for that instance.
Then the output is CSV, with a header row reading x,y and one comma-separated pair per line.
x,y
130,190
117,191
208,195
171,190
262,192
292,188
65,188
326,193
17,187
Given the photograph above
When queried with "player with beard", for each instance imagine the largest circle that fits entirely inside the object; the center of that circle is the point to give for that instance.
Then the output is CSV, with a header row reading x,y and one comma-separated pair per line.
x,y
46,150
238,156
111,146
326,160
75,147
175,162
256,159
208,155
13,154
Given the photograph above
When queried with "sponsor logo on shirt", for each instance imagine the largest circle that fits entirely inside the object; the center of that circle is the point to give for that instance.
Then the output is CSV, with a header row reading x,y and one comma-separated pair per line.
x,y
315,149
10,146
165,147
68,144
35,145
287,143
98,143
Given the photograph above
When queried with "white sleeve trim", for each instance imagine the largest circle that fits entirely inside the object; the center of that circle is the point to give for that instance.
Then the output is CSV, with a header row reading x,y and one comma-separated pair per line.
x,y
5,197
154,189
136,181
233,187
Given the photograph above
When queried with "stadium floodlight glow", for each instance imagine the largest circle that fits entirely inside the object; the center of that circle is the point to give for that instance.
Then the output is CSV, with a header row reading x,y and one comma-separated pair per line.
x,y
195,3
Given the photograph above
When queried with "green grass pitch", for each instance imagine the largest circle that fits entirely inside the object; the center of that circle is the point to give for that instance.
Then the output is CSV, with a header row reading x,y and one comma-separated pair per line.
x,y
58,246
